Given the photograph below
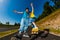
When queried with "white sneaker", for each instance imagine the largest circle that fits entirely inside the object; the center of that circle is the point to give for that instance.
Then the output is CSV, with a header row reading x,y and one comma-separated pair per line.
x,y
25,35
19,32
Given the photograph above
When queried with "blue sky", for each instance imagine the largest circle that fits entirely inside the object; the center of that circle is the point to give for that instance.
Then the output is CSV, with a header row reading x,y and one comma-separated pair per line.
x,y
7,7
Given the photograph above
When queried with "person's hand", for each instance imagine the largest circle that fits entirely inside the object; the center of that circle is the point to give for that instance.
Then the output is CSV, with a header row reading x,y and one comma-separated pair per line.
x,y
31,4
15,11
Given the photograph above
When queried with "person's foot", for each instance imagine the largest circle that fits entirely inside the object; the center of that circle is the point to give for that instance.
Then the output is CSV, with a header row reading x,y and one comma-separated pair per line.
x,y
25,35
19,35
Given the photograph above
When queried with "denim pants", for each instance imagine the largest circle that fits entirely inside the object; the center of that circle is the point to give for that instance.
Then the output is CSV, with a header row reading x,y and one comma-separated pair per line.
x,y
31,20
23,25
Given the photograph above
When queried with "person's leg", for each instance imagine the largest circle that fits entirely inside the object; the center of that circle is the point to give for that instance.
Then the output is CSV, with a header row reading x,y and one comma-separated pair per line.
x,y
21,29
34,24
30,22
25,32
26,28
20,34
26,25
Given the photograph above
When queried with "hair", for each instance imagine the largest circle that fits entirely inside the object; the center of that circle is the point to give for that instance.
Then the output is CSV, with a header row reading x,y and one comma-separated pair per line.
x,y
27,8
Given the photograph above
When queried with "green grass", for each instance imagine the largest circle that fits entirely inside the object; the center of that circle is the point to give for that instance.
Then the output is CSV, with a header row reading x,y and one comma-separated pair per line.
x,y
55,31
3,34
8,26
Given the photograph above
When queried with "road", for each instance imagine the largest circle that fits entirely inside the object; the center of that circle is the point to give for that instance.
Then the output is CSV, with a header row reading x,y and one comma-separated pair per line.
x,y
50,37
6,29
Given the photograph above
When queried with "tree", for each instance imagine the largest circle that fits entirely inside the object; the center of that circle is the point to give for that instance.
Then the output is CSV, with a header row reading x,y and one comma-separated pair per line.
x,y
0,22
17,24
7,23
57,3
47,11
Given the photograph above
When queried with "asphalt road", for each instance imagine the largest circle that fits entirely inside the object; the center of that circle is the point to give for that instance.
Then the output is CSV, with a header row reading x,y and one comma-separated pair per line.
x,y
6,29
50,37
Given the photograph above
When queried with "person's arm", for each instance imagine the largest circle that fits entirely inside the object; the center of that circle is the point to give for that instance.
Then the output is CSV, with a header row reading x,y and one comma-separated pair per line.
x,y
18,12
32,13
32,7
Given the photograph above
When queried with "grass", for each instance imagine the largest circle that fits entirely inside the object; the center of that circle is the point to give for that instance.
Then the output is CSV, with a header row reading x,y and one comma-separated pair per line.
x,y
45,19
51,30
50,16
55,31
6,33
8,26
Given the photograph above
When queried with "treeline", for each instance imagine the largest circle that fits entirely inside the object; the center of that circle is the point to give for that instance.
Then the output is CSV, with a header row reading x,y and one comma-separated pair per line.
x,y
48,9
8,23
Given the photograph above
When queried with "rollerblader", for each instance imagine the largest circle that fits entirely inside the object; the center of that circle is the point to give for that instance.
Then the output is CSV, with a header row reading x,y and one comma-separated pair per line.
x,y
32,19
24,21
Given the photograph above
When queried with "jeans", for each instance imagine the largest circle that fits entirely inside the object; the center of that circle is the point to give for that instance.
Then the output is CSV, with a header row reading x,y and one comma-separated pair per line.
x,y
31,21
23,25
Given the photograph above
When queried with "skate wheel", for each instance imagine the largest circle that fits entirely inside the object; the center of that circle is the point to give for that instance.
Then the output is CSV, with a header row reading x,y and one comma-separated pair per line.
x,y
34,31
13,38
